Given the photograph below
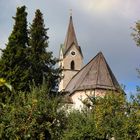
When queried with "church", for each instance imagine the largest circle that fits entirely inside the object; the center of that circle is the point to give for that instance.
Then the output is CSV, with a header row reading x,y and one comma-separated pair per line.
x,y
78,81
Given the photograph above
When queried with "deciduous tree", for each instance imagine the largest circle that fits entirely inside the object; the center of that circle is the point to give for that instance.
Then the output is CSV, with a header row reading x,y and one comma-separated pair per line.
x,y
33,116
136,33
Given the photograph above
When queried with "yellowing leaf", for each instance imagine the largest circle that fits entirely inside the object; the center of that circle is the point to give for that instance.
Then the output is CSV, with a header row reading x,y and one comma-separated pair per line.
x,y
2,82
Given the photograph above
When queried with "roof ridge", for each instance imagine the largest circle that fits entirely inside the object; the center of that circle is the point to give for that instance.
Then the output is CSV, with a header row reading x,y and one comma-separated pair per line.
x,y
95,74
84,76
112,78
98,68
81,70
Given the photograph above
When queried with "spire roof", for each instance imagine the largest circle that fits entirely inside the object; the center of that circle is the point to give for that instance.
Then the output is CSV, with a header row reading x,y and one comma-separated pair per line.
x,y
70,38
95,75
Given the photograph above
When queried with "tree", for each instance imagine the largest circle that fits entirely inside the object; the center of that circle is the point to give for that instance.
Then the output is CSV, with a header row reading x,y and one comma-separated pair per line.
x,y
136,33
41,61
134,107
134,117
104,119
110,116
80,126
33,116
13,63
136,37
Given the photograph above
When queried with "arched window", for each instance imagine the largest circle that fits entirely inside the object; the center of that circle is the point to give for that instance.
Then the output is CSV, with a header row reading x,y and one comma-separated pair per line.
x,y
72,65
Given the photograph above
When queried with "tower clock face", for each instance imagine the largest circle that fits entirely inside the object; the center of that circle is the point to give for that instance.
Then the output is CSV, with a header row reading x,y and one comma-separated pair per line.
x,y
73,53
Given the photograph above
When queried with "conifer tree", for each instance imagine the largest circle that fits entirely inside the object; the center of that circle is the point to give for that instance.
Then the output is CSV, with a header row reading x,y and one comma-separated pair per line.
x,y
41,60
13,63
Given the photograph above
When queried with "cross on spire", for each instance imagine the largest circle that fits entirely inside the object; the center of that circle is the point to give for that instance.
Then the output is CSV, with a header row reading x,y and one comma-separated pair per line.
x,y
71,37
70,10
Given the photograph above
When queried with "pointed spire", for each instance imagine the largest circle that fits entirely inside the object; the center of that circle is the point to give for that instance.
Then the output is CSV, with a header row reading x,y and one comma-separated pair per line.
x,y
71,36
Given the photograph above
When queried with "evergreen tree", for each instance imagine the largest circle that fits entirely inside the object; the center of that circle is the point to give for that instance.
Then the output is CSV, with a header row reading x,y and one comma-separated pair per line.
x,y
41,61
13,63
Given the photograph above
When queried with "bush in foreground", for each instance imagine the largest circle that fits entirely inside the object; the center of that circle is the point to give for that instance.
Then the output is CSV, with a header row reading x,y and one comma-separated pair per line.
x,y
31,116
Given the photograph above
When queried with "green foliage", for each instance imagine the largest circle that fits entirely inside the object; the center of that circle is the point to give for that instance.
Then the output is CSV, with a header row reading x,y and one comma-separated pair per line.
x,y
39,116
36,114
105,118
80,126
4,83
41,61
13,63
134,124
26,61
110,116
136,33
31,116
134,117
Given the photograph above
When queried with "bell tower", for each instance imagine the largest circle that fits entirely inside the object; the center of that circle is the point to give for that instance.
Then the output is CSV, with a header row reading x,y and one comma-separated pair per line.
x,y
70,56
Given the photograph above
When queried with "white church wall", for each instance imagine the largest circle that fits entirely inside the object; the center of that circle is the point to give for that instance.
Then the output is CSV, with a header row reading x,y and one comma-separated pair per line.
x,y
67,72
79,96
77,58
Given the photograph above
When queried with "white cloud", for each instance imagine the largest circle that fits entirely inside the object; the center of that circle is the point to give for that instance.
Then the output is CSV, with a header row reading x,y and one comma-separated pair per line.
x,y
98,5
126,8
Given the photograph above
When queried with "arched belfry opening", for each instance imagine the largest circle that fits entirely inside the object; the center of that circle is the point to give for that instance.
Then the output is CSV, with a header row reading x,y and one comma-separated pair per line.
x,y
72,65
70,56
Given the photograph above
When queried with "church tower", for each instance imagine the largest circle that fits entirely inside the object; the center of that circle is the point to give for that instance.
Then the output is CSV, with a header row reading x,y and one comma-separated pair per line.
x,y
70,56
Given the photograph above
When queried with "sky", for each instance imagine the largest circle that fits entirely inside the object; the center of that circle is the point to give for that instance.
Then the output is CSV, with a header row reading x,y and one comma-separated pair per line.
x,y
100,25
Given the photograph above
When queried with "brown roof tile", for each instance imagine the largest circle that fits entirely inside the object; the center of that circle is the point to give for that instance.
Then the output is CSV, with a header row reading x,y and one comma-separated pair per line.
x,y
70,38
96,74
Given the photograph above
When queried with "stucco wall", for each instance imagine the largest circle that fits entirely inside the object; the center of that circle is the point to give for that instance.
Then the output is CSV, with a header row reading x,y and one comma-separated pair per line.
x,y
67,76
77,58
65,64
80,96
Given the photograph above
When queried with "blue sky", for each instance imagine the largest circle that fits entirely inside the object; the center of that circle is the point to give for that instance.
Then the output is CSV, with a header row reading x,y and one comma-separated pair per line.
x,y
101,25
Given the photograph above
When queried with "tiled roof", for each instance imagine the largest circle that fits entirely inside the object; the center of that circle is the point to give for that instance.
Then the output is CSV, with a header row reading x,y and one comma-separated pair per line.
x,y
95,75
70,38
